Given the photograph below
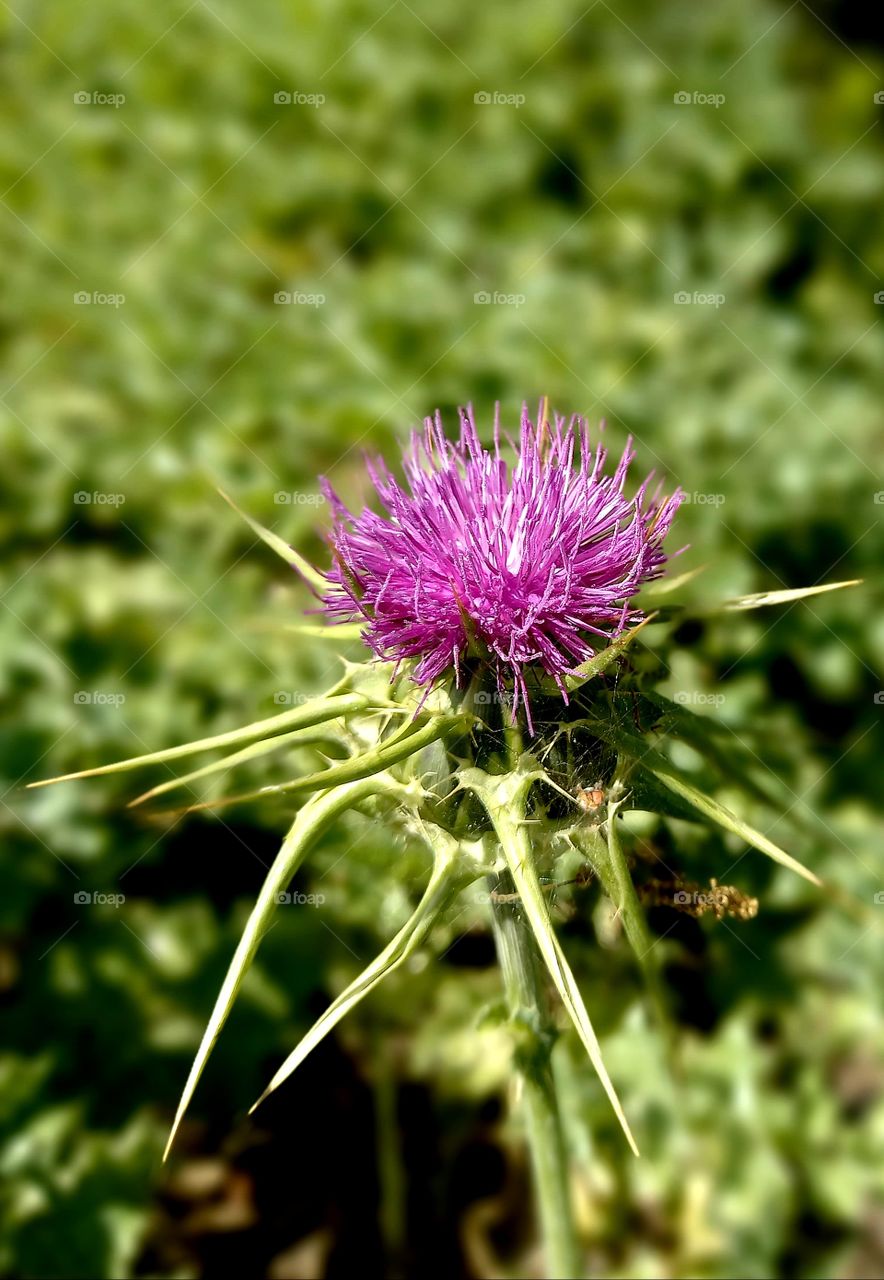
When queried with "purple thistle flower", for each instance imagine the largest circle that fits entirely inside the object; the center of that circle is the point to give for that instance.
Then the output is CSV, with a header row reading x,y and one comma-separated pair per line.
x,y
529,567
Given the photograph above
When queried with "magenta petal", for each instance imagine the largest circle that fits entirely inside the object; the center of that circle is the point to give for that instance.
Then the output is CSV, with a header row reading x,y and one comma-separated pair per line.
x,y
535,564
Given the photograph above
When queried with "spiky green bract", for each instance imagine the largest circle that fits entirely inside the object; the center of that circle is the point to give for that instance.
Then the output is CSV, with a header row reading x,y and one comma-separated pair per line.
x,y
434,757
504,798
454,867
310,713
311,821
534,1035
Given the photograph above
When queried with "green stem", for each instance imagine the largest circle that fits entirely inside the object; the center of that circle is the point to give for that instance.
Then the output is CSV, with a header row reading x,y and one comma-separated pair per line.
x,y
529,1011
609,861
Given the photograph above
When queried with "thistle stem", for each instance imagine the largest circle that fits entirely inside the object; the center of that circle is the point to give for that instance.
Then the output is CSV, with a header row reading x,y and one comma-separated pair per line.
x,y
530,1014
529,1011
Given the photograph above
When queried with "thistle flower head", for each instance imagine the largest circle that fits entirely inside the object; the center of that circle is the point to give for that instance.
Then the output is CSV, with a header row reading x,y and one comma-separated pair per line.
x,y
531,567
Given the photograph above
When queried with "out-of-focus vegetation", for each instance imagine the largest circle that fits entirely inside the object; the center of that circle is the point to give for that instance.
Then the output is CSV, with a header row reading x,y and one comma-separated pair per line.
x,y
438,248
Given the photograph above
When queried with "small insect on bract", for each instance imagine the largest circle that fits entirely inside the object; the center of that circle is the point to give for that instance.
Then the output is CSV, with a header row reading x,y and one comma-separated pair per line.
x,y
591,799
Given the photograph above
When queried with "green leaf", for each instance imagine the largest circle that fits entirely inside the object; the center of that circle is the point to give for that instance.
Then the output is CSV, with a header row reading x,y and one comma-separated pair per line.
x,y
649,794
599,662
446,878
503,798
386,754
282,549
730,821
603,660
657,764
757,600
299,737
311,822
763,598
720,745
316,711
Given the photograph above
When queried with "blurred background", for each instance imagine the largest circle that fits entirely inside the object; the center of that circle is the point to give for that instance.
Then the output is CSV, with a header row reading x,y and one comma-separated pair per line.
x,y
241,244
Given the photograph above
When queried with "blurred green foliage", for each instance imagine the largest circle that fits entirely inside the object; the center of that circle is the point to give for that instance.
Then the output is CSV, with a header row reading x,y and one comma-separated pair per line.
x,y
583,211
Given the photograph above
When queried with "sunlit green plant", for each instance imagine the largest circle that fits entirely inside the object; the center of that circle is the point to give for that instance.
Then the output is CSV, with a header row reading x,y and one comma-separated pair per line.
x,y
516,604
